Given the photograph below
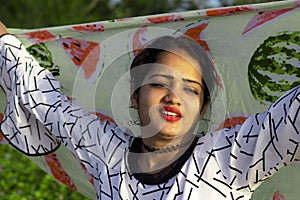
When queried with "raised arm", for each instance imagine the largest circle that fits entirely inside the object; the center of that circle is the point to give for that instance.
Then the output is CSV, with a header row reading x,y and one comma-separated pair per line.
x,y
39,117
250,153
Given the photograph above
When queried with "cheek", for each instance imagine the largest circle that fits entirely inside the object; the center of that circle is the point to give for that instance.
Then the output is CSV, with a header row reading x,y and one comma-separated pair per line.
x,y
194,107
148,97
145,102
196,111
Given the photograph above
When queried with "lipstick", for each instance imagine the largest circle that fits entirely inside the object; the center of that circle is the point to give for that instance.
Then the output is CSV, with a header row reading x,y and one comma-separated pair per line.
x,y
170,114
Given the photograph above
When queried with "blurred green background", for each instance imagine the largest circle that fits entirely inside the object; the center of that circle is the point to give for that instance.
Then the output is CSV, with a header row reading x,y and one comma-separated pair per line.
x,y
45,13
21,179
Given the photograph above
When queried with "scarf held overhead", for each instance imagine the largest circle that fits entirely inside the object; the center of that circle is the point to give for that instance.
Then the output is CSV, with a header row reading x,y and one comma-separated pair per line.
x,y
255,48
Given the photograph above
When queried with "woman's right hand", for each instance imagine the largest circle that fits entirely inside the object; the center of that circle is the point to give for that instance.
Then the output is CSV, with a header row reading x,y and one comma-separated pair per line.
x,y
3,29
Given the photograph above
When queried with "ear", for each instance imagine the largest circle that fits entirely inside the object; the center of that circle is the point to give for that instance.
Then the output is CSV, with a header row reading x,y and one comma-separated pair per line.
x,y
134,101
204,107
133,97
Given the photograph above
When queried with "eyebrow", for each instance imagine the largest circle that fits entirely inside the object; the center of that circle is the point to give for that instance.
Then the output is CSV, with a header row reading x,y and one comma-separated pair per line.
x,y
162,75
192,81
171,78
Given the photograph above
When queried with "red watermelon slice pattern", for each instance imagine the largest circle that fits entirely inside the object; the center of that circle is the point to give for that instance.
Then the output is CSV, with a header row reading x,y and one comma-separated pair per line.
x,y
262,18
39,36
84,169
137,40
231,122
195,31
166,18
88,28
103,117
85,55
229,11
278,196
57,171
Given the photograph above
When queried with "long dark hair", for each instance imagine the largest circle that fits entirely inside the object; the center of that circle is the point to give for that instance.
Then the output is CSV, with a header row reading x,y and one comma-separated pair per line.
x,y
152,52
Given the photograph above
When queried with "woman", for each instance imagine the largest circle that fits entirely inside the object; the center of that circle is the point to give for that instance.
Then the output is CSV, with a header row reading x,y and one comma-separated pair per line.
x,y
172,85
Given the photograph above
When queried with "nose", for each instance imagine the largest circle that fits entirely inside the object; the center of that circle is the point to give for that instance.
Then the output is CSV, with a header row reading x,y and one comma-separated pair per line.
x,y
172,97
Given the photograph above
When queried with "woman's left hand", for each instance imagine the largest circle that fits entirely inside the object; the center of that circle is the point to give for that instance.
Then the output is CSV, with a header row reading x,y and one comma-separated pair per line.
x,y
3,29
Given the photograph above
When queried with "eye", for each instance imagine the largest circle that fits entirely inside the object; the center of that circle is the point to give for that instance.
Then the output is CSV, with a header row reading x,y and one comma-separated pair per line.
x,y
191,90
159,85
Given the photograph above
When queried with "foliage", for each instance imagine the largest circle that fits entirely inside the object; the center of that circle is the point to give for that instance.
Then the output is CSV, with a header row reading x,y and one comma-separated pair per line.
x,y
46,13
241,2
21,179
34,13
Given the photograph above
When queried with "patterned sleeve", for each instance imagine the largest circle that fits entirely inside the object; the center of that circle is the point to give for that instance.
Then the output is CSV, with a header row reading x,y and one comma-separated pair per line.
x,y
250,153
38,117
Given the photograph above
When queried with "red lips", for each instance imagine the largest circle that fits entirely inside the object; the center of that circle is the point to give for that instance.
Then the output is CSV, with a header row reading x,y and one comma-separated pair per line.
x,y
170,114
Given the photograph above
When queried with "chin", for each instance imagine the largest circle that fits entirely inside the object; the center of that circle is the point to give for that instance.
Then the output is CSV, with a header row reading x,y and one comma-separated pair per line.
x,y
168,135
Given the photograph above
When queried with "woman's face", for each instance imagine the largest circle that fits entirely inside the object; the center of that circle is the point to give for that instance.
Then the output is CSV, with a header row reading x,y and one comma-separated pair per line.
x,y
170,99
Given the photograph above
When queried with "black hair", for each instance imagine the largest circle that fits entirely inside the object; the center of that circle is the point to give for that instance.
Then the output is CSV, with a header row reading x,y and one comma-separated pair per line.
x,y
153,51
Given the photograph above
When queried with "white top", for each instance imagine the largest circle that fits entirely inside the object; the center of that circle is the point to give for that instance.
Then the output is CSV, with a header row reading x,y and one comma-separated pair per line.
x,y
227,164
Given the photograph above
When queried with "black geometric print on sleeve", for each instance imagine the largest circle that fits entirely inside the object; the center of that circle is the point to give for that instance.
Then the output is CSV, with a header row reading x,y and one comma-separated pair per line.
x,y
18,120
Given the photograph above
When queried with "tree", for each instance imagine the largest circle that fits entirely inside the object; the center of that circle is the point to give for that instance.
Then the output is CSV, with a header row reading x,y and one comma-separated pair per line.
x,y
37,14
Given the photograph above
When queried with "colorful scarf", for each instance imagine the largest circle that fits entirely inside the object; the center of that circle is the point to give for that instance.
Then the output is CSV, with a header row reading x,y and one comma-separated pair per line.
x,y
255,48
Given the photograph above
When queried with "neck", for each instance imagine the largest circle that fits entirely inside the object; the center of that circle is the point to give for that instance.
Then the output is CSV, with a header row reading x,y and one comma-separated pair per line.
x,y
166,149
154,158
162,145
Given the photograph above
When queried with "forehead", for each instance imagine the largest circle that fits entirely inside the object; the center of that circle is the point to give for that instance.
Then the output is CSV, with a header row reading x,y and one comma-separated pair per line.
x,y
177,63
